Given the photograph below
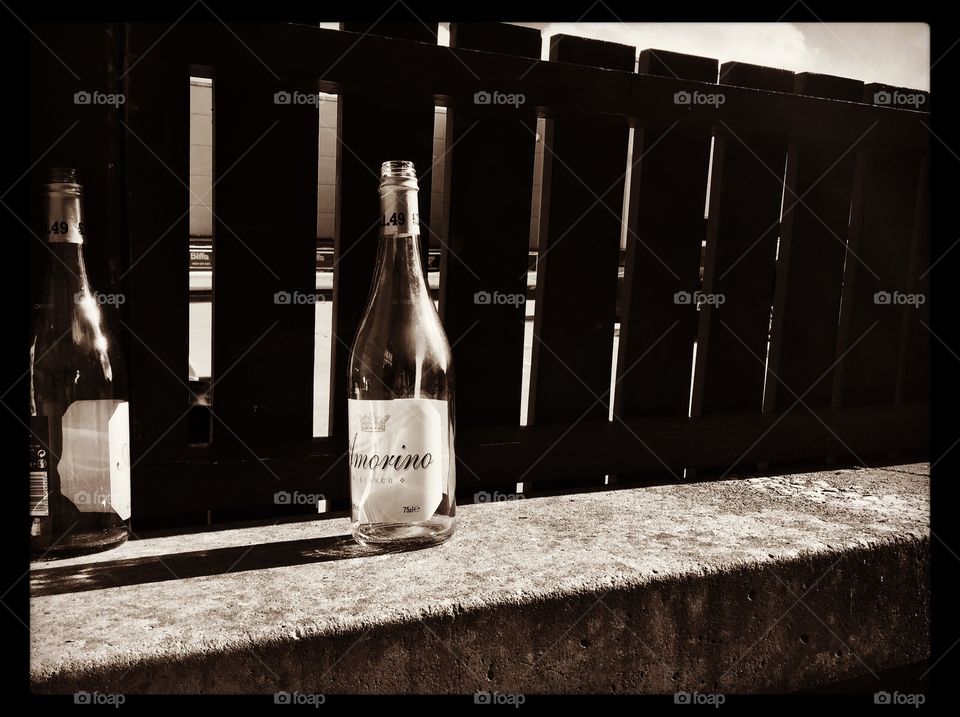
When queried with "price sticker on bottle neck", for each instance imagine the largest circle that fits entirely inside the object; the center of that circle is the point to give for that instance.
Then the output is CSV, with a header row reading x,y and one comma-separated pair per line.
x,y
400,215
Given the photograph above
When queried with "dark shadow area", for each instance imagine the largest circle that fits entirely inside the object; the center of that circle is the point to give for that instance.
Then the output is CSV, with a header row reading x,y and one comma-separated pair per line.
x,y
178,566
909,679
190,524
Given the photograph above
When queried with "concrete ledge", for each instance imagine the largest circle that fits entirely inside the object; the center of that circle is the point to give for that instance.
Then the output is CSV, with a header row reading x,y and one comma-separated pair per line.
x,y
762,584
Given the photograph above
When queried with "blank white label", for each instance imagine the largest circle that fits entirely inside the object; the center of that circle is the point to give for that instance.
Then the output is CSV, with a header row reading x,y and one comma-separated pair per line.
x,y
94,465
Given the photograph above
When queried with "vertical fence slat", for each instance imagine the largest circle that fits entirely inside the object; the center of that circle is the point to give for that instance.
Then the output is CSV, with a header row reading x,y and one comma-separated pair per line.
x,y
265,196
491,157
489,183
578,253
372,128
876,272
744,212
158,159
810,261
913,376
667,194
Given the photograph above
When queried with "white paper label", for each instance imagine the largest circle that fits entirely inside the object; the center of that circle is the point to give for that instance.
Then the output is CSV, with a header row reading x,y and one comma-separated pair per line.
x,y
399,458
400,216
94,465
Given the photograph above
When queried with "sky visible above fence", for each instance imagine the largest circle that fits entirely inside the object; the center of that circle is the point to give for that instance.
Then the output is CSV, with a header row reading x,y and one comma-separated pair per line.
x,y
892,53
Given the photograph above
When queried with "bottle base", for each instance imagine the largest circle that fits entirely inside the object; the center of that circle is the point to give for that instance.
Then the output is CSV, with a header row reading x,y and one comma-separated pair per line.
x,y
81,543
404,536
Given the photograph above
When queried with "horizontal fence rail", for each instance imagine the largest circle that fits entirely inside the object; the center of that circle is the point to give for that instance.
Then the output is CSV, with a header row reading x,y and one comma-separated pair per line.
x,y
330,61
751,266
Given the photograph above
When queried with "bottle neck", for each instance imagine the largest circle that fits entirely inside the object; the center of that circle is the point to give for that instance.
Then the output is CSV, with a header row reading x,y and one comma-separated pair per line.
x,y
63,229
70,306
63,213
399,274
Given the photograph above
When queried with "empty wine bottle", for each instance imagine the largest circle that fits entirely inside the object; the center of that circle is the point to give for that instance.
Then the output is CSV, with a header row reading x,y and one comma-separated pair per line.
x,y
400,406
79,452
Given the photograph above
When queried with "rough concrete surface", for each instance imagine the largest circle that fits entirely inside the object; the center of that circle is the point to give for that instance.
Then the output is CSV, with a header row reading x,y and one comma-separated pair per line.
x,y
760,584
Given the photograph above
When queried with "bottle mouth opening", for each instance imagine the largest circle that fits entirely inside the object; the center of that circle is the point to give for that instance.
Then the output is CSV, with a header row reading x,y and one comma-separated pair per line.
x,y
397,169
62,175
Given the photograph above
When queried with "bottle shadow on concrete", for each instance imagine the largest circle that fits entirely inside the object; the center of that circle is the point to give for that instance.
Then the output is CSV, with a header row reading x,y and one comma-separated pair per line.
x,y
179,566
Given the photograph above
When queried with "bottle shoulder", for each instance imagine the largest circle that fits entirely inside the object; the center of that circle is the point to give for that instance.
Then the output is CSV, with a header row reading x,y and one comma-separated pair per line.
x,y
399,331
79,357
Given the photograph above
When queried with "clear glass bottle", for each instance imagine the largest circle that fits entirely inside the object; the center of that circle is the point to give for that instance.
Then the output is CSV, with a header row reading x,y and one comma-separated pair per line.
x,y
79,439
400,405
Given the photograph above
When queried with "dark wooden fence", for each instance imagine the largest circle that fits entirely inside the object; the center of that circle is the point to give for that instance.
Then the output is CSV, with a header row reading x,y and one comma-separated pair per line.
x,y
846,377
